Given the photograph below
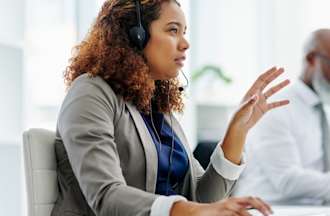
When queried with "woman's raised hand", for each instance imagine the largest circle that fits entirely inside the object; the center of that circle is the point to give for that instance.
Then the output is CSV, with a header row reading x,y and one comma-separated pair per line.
x,y
254,104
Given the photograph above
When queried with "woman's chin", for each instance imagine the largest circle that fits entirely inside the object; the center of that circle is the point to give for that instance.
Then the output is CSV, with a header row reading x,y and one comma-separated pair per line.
x,y
175,73
170,75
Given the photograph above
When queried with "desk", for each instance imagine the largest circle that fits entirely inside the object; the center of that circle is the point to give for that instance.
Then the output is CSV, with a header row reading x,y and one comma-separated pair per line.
x,y
297,211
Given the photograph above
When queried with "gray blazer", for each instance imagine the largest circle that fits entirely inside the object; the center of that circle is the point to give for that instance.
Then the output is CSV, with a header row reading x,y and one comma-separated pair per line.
x,y
107,161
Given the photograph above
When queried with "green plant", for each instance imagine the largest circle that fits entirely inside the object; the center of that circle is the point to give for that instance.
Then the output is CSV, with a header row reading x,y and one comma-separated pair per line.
x,y
210,69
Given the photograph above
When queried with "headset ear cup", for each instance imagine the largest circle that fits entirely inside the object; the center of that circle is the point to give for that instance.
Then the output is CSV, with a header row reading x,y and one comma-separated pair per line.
x,y
138,37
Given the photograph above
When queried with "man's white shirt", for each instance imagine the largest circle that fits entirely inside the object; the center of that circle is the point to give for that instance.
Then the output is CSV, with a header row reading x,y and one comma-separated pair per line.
x,y
285,153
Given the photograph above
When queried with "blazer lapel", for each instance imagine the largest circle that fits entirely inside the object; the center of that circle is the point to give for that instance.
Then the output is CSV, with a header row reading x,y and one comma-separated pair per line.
x,y
150,151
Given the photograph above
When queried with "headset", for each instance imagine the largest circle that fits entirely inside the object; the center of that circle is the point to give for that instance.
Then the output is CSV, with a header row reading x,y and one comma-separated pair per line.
x,y
139,37
137,34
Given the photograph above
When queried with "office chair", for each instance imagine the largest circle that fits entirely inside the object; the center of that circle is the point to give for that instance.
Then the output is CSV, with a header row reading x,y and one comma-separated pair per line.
x,y
203,152
40,171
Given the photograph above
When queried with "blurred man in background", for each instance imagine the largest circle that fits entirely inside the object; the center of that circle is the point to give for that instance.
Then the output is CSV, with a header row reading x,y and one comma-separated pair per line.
x,y
289,150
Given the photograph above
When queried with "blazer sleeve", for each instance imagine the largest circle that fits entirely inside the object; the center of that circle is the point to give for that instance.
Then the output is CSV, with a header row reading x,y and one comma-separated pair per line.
x,y
214,183
86,126
211,186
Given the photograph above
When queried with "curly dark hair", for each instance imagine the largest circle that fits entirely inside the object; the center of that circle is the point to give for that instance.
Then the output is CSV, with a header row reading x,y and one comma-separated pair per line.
x,y
107,52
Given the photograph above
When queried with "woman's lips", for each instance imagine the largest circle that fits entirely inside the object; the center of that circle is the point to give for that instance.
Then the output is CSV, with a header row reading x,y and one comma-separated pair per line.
x,y
179,61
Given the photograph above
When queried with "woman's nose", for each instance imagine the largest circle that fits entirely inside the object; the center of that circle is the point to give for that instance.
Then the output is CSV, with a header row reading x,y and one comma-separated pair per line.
x,y
184,44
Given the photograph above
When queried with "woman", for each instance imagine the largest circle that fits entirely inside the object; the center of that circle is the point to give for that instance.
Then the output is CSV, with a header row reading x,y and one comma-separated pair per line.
x,y
119,149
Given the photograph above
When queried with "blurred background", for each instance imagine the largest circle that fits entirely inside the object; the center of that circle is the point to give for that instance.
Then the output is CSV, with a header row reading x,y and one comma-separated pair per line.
x,y
239,38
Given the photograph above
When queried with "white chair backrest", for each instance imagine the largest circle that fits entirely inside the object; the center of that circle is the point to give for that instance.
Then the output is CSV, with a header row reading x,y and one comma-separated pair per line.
x,y
40,171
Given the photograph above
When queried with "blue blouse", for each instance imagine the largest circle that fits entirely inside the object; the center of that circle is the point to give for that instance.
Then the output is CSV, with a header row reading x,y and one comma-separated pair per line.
x,y
180,160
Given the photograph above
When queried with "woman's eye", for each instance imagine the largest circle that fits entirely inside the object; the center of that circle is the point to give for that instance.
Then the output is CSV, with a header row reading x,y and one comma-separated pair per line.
x,y
174,30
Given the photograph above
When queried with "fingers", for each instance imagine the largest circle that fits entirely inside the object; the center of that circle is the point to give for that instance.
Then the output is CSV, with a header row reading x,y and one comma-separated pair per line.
x,y
236,208
269,208
233,207
256,203
244,212
277,104
266,78
276,88
268,72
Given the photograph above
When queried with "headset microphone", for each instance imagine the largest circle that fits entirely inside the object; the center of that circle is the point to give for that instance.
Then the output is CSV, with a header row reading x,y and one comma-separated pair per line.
x,y
182,88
